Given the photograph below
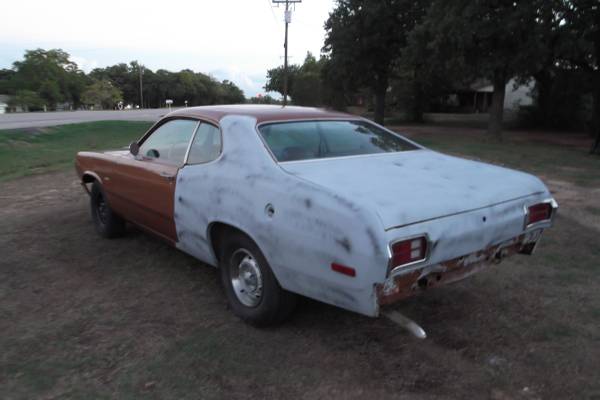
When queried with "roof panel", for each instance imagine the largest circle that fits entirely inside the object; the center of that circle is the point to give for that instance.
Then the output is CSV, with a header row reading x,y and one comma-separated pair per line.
x,y
262,113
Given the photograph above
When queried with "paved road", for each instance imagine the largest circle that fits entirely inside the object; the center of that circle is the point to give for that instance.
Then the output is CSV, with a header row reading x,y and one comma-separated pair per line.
x,y
41,119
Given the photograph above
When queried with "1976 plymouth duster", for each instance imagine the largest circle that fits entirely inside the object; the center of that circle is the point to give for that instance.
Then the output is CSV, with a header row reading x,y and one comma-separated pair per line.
x,y
289,201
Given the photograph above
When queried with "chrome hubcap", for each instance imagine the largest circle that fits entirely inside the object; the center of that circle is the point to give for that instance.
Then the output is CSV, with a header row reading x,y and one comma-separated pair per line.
x,y
246,278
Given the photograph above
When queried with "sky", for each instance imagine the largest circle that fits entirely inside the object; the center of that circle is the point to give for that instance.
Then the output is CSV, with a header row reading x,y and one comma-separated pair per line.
x,y
229,39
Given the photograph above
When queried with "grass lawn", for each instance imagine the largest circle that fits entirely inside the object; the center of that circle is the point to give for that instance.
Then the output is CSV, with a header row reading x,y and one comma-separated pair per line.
x,y
87,318
37,150
549,155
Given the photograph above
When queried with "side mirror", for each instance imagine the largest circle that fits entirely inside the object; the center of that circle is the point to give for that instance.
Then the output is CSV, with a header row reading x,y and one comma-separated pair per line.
x,y
134,148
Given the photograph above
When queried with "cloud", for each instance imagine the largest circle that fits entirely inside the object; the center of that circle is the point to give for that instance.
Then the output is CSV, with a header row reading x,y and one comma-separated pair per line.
x,y
251,83
235,39
84,64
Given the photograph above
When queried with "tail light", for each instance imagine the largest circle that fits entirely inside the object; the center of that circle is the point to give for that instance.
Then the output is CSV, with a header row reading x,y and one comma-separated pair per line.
x,y
538,213
408,251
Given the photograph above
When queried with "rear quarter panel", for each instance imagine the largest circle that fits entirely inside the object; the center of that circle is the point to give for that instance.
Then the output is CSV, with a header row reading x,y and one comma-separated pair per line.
x,y
310,229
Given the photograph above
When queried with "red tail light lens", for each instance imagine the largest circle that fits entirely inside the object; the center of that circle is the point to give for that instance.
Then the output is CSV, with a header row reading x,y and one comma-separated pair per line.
x,y
538,212
342,269
409,251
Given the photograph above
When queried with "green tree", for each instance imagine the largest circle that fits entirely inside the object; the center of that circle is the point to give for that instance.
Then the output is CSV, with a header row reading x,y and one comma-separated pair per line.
x,y
231,94
123,76
56,79
263,100
308,87
364,40
7,81
305,84
102,94
497,40
51,74
275,79
27,100
579,49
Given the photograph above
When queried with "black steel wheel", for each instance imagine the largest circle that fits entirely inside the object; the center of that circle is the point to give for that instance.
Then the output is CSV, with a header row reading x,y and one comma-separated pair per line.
x,y
108,224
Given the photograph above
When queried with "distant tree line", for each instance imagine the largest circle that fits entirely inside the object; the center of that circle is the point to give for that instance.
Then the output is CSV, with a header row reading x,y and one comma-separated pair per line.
x,y
404,54
48,79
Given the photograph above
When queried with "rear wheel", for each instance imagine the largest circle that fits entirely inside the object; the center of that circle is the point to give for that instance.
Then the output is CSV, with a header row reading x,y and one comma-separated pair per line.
x,y
108,224
250,286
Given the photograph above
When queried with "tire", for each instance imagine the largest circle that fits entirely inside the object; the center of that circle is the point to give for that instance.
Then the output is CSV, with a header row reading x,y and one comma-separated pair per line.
x,y
269,305
108,224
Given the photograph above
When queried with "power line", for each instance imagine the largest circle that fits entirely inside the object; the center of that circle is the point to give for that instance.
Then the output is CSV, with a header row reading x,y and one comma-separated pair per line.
x,y
272,12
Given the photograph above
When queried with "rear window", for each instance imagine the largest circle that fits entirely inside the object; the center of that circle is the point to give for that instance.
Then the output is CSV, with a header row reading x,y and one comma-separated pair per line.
x,y
305,140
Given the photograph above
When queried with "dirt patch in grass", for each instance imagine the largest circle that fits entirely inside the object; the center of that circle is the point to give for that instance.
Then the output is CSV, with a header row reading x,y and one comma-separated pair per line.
x,y
579,203
83,317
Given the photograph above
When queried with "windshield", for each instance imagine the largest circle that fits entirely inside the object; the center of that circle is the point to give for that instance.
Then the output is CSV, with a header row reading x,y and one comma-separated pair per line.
x,y
305,140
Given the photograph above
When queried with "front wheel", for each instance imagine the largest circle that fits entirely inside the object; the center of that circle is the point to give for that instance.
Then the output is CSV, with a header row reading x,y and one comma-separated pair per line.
x,y
250,286
108,224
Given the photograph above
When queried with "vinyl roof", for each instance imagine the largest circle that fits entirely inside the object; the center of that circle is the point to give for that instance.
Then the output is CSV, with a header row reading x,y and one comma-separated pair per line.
x,y
262,113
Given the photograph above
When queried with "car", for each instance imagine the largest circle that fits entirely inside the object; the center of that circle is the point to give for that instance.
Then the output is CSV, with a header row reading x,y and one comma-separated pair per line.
x,y
290,201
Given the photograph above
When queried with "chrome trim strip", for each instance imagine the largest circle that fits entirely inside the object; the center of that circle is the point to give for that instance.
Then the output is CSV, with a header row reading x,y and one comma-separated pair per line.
x,y
391,153
461,212
159,123
218,126
187,151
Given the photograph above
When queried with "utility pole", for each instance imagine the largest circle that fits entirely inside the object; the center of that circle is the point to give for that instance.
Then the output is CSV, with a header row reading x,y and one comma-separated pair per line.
x,y
140,68
288,19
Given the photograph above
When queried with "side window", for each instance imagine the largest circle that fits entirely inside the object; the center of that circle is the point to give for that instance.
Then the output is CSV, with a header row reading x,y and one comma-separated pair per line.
x,y
206,145
170,141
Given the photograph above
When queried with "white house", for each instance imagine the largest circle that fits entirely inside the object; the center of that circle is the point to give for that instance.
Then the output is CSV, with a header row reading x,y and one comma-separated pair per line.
x,y
3,103
517,94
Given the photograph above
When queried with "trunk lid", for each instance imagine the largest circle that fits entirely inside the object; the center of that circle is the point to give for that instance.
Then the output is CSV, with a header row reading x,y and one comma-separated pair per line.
x,y
413,186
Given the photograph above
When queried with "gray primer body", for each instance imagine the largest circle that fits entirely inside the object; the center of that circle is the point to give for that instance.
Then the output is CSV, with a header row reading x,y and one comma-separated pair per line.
x,y
346,211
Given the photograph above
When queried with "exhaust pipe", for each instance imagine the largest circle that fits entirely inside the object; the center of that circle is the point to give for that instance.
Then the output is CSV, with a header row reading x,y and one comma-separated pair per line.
x,y
406,323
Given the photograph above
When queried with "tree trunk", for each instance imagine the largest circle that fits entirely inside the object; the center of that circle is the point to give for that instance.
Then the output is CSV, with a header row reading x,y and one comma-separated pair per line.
x,y
544,83
417,107
380,92
596,96
497,108
418,96
596,115
596,145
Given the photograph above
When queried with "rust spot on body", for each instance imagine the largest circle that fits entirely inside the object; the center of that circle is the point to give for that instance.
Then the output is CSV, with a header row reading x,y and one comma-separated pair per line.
x,y
412,282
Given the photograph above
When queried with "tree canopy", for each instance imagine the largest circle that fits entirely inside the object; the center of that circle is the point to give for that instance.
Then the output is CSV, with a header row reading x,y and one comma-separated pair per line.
x,y
102,94
413,54
578,49
304,81
496,40
364,40
45,79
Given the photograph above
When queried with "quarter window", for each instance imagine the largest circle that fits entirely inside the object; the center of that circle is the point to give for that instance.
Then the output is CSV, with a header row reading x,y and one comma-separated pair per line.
x,y
206,145
169,142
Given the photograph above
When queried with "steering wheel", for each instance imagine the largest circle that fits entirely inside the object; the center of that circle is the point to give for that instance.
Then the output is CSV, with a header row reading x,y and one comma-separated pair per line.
x,y
153,153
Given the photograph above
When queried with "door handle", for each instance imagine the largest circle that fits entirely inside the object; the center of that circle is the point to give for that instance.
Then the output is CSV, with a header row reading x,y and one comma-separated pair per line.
x,y
167,176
